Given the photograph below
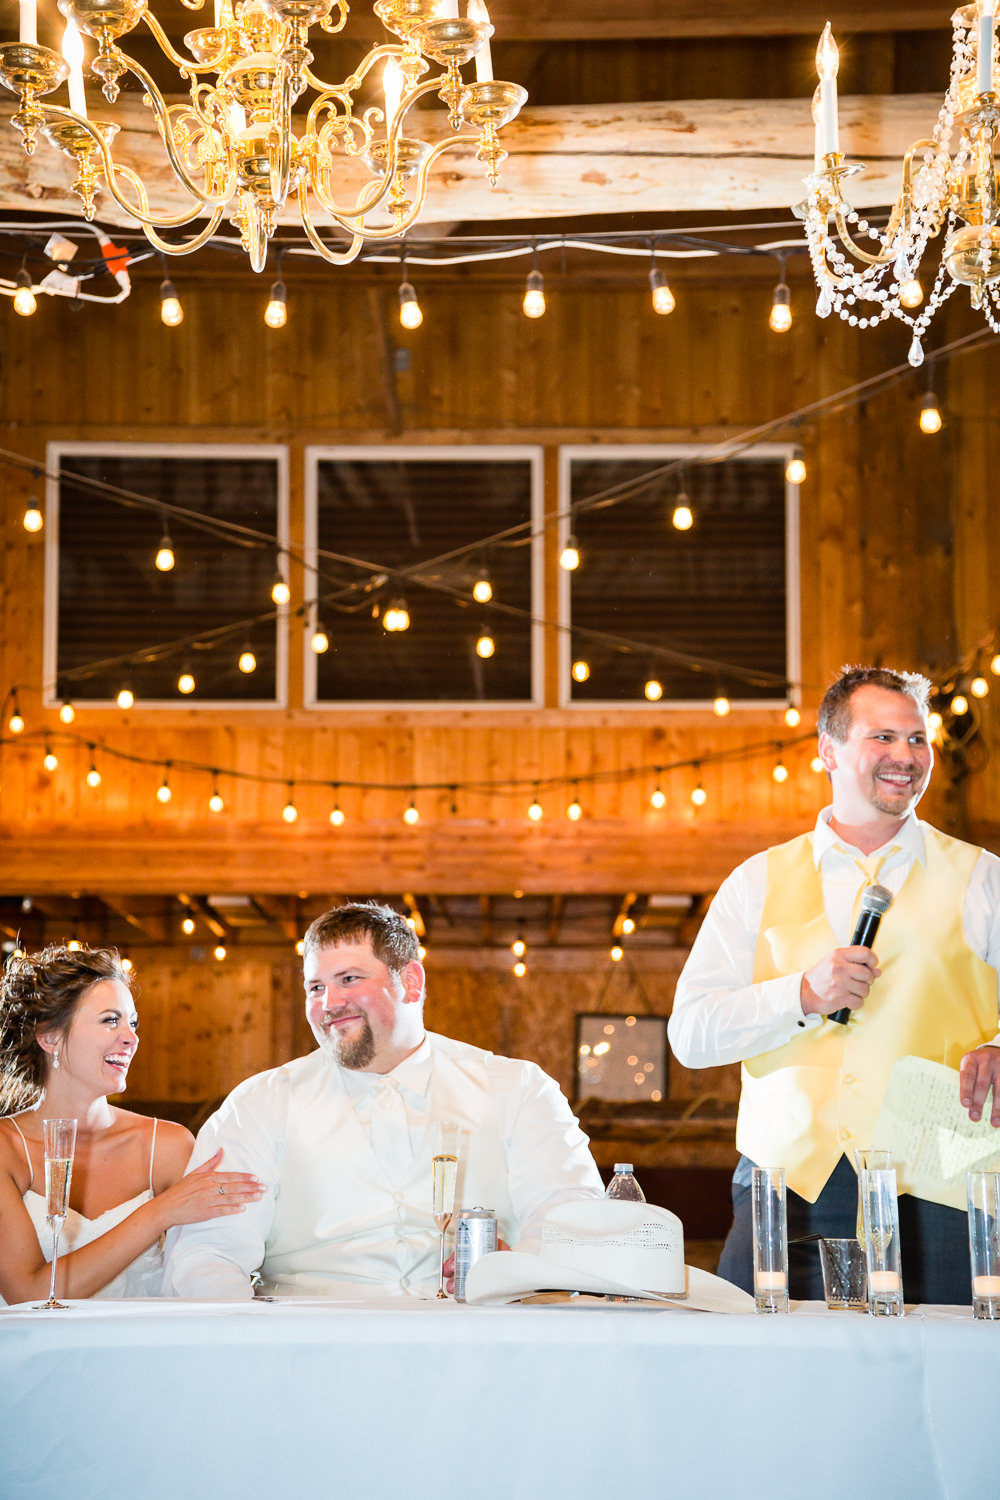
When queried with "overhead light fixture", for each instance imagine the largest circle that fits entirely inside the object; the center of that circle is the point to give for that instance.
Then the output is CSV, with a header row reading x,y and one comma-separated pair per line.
x,y
165,559
32,520
795,469
276,311
780,317
682,518
234,145
930,413
171,312
533,305
280,592
664,301
24,296
482,589
485,645
569,557
866,274
396,617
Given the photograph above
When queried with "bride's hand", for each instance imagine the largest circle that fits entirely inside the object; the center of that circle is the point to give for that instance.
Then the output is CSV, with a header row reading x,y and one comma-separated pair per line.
x,y
207,1193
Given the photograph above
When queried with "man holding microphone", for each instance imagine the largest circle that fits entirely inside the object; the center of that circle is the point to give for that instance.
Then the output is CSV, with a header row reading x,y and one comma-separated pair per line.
x,y
775,962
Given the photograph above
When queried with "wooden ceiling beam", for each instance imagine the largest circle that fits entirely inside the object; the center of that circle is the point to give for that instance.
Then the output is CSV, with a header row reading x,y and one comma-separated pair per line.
x,y
681,156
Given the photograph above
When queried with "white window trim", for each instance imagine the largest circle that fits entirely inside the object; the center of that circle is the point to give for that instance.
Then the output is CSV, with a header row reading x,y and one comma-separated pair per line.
x,y
54,454
664,453
534,456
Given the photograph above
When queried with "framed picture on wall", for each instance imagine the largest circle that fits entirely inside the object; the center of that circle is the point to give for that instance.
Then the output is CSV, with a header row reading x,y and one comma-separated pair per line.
x,y
621,1058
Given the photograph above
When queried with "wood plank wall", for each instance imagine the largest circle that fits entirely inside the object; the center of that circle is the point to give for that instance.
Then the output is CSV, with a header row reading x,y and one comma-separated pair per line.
x,y
899,562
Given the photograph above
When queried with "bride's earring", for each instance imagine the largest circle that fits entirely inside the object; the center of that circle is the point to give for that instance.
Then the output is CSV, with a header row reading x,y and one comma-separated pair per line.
x,y
55,1057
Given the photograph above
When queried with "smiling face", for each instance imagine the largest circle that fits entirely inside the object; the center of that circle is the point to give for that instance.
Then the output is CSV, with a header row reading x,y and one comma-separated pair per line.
x,y
100,1042
879,772
363,1015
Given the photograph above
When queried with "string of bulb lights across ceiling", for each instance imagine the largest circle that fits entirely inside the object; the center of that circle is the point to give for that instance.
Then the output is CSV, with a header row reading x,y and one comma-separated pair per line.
x,y
395,616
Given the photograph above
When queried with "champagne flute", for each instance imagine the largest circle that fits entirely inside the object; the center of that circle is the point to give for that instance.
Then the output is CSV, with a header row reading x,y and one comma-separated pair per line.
x,y
60,1144
445,1172
868,1161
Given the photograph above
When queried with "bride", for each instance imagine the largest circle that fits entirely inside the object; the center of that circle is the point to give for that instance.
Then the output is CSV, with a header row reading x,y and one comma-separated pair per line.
x,y
68,1033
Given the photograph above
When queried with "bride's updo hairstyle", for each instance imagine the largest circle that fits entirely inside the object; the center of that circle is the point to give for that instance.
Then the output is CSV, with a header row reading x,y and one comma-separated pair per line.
x,y
39,993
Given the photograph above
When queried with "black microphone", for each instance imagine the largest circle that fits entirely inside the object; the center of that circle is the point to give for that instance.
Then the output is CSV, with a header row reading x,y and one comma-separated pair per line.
x,y
875,902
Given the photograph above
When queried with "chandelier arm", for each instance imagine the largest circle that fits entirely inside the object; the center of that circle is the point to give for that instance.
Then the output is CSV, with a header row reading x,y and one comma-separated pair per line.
x,y
884,258
336,259
279,153
189,245
394,230
328,26
167,135
175,221
352,84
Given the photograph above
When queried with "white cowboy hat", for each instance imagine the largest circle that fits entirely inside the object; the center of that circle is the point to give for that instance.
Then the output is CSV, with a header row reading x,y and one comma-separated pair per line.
x,y
611,1248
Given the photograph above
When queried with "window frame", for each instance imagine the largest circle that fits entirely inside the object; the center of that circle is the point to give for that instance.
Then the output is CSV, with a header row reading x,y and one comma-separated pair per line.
x,y
665,453
534,456
55,452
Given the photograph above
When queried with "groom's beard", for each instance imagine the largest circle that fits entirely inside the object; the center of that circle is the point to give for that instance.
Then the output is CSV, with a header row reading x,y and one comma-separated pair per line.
x,y
356,1053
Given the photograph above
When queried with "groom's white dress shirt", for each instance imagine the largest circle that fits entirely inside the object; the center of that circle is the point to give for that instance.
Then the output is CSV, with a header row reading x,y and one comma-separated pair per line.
x,y
347,1157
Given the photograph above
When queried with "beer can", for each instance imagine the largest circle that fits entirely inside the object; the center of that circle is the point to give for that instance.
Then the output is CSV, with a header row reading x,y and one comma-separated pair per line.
x,y
475,1236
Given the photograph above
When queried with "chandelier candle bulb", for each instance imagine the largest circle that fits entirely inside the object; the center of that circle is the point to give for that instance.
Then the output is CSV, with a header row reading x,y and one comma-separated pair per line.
x,y
484,58
392,87
28,23
827,63
984,46
72,51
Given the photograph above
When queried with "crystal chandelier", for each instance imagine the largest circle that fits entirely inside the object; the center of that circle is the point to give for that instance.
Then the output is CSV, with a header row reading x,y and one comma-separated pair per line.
x,y
954,191
234,143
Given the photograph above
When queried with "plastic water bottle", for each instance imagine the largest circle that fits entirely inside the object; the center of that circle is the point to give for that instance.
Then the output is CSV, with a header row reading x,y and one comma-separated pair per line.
x,y
624,1185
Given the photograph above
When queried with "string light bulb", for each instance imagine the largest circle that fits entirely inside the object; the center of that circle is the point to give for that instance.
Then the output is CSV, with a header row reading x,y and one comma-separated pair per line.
x,y
816,764
533,305
280,592
720,705
780,772
410,313
276,311
520,969
185,682
658,798
337,816
51,760
995,665
682,518
617,954
535,809
482,589
15,723
33,520
780,317
935,721
93,775
219,952
187,926
215,802
792,716
24,296
930,414
396,617
979,687
699,796
653,689
574,812
628,926
290,812
247,662
518,946
663,298
485,645
165,559
163,792
67,713
581,671
959,704
319,641
126,697
171,312
569,557
412,814
795,469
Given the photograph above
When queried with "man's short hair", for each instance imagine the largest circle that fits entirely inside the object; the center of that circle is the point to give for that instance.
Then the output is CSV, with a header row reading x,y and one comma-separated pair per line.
x,y
834,717
393,941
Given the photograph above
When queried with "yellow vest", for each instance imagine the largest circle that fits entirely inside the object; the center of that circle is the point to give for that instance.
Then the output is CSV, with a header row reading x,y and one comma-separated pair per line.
x,y
818,1097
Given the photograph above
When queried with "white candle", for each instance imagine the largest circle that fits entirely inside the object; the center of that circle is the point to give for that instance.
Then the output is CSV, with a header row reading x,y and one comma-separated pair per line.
x,y
28,31
986,1286
883,1281
392,87
770,1281
817,137
484,58
827,63
72,51
984,47
448,10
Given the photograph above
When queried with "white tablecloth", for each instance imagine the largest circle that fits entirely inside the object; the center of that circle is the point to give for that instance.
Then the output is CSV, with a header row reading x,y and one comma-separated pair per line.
x,y
202,1401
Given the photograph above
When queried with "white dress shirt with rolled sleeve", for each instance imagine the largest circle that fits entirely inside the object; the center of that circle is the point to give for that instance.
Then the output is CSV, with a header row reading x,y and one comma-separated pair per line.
x,y
721,1016
347,1158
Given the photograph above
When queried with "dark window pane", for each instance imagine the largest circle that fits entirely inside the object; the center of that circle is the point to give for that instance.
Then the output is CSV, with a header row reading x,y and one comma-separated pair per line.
x,y
716,591
113,601
402,512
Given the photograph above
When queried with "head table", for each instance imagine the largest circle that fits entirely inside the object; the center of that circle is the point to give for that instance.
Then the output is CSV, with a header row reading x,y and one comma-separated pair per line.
x,y
420,1400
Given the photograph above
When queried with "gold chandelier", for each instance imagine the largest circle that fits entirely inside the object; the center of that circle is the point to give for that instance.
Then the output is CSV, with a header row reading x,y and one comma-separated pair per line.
x,y
867,275
233,143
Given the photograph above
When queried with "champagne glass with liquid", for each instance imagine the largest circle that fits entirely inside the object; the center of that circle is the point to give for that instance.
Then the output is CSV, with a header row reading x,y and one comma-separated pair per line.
x,y
60,1145
868,1161
448,1136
